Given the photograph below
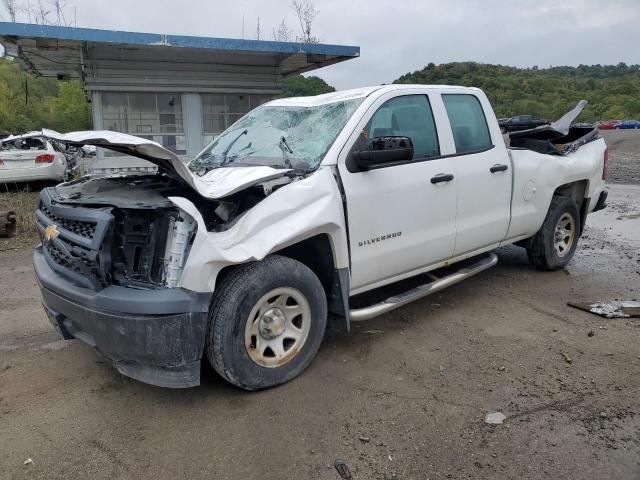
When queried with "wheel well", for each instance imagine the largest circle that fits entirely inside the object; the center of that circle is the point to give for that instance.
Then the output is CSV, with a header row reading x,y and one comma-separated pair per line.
x,y
316,253
576,191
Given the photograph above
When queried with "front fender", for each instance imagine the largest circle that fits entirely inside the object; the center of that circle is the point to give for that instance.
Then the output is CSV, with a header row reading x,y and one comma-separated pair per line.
x,y
295,212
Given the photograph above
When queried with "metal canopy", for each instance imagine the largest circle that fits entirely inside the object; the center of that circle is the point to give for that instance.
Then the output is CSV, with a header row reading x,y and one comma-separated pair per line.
x,y
76,53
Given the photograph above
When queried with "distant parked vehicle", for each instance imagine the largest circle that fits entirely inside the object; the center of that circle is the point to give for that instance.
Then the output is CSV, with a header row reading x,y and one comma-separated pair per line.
x,y
628,124
89,151
609,125
520,122
583,125
31,157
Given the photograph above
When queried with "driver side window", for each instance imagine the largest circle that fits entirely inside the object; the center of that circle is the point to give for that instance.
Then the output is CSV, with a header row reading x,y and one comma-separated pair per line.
x,y
407,116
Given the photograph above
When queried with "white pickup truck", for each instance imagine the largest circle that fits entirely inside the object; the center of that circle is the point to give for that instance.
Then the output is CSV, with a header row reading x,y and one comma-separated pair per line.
x,y
300,208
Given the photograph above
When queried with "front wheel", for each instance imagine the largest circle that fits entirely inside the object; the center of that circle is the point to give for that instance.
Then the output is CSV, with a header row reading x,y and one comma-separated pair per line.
x,y
556,241
266,323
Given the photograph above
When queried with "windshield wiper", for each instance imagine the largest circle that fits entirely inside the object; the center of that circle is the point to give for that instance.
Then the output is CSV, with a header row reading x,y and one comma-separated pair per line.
x,y
284,146
226,150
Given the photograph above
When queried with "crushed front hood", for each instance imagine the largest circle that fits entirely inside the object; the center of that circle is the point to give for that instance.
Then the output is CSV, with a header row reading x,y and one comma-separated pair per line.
x,y
217,183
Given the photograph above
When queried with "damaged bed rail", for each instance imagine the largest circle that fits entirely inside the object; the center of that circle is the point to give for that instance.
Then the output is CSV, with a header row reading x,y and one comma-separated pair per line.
x,y
557,138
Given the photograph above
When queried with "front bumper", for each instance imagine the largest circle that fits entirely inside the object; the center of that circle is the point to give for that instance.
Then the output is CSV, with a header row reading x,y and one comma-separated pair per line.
x,y
155,336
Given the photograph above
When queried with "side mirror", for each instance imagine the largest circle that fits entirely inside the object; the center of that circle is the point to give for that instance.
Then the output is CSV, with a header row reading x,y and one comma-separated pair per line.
x,y
380,151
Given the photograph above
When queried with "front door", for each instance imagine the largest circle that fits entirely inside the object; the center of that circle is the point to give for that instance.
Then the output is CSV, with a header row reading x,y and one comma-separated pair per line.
x,y
401,217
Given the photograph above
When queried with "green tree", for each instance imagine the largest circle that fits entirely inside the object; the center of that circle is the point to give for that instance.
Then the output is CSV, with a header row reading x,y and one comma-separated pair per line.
x,y
299,86
32,103
68,110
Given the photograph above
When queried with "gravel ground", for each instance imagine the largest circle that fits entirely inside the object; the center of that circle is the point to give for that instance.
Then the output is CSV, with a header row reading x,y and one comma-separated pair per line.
x,y
624,155
403,396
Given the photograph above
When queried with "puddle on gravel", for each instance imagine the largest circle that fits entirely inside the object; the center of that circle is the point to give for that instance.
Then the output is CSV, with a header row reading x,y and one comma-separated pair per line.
x,y
625,228
621,218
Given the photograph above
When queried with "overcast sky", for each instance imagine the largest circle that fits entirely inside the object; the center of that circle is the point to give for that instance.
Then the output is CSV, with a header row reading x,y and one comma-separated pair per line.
x,y
398,36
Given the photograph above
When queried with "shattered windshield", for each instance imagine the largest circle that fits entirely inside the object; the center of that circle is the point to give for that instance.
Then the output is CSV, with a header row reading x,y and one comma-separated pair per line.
x,y
294,137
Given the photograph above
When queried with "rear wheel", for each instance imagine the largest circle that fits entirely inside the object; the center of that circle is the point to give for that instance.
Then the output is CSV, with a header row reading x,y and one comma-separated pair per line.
x,y
555,243
266,323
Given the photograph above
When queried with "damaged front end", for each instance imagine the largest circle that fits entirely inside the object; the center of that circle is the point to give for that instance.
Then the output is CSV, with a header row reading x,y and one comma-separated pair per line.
x,y
126,230
129,263
111,256
112,261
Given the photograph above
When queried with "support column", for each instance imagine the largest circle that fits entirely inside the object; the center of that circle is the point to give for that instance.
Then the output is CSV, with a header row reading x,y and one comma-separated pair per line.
x,y
192,118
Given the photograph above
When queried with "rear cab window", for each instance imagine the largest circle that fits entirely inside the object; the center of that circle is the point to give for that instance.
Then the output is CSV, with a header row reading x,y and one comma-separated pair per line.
x,y
29,143
407,116
468,123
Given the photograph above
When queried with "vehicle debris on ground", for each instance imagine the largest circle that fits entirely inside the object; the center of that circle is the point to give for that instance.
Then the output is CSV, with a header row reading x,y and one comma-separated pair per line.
x,y
495,418
615,309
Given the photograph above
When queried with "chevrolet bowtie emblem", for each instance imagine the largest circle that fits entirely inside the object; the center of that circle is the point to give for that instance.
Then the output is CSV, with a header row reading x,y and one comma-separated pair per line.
x,y
50,232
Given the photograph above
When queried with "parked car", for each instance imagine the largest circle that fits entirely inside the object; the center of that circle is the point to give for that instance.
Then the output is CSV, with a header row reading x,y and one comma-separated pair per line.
x,y
628,124
520,122
608,125
31,157
89,151
298,209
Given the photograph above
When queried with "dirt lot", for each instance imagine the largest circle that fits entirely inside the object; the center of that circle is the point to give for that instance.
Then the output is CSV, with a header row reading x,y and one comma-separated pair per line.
x,y
624,151
402,396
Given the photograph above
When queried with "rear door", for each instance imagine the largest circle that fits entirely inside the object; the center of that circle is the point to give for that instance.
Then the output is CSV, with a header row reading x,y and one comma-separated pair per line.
x,y
399,220
483,173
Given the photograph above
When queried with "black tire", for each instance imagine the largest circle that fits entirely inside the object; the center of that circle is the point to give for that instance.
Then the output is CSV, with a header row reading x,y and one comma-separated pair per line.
x,y
234,301
542,253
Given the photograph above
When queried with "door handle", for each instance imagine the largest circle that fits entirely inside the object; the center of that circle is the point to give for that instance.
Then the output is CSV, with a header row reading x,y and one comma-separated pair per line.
x,y
442,177
498,168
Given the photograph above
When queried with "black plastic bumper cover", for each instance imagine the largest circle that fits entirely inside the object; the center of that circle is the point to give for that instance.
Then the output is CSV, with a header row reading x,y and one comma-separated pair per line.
x,y
155,336
602,201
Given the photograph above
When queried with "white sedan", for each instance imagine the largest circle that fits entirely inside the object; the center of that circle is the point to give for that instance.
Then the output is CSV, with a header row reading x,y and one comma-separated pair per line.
x,y
31,157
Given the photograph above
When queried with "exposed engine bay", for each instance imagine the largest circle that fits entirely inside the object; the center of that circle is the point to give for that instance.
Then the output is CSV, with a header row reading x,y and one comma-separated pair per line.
x,y
124,230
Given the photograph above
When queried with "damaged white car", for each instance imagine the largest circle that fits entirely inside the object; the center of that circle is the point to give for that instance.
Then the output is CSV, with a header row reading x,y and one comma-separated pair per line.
x,y
304,206
35,156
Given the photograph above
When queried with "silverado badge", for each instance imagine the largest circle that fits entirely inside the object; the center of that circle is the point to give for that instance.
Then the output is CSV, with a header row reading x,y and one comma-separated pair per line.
x,y
50,232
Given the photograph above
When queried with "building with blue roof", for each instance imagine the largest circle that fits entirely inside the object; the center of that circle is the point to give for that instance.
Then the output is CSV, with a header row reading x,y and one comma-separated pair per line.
x,y
180,91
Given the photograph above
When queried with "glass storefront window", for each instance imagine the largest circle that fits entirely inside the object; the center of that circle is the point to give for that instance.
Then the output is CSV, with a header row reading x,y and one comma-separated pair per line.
x,y
220,111
156,116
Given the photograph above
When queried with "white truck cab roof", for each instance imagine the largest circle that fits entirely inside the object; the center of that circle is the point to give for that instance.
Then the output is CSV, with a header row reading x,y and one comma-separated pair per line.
x,y
362,93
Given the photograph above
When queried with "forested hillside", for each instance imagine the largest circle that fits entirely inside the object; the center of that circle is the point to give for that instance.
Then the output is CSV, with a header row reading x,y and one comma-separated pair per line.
x,y
613,91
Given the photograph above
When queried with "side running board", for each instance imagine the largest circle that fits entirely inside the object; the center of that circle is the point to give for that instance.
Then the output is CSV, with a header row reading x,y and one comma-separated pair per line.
x,y
438,284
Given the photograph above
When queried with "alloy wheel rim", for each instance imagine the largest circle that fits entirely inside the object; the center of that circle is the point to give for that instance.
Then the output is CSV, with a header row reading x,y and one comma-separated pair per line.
x,y
564,235
278,327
